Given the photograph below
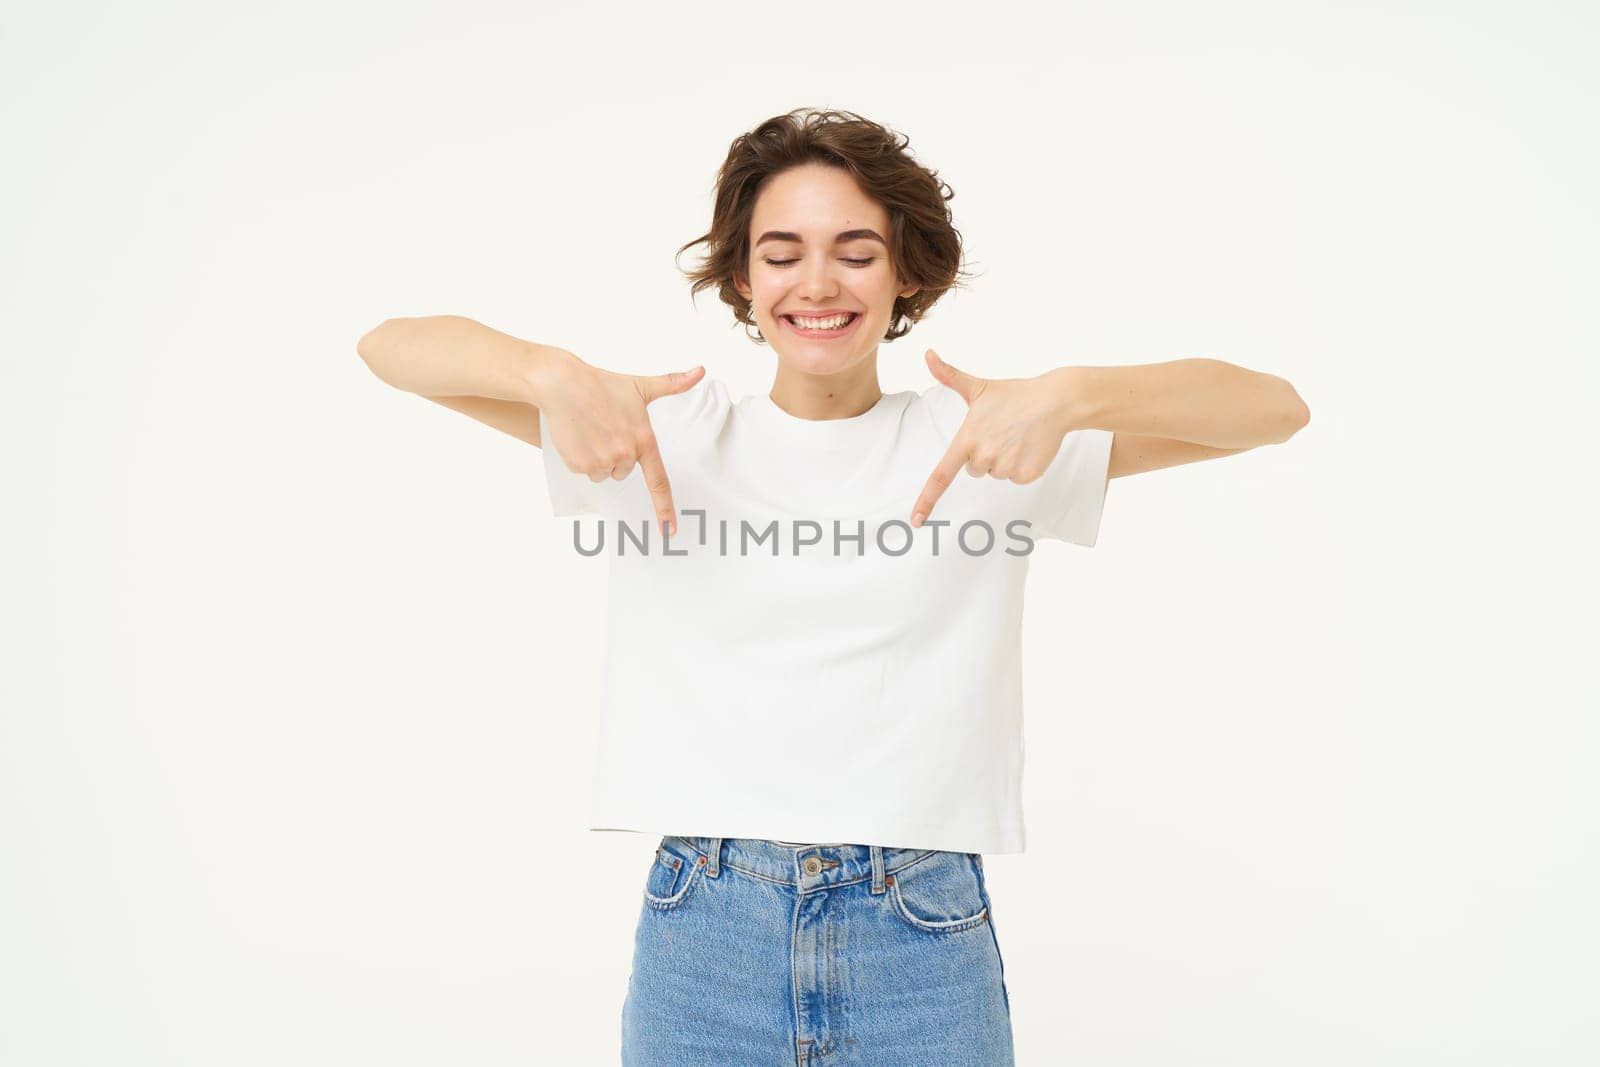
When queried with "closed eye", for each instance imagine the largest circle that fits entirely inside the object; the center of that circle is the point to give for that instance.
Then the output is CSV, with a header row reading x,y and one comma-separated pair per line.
x,y
852,262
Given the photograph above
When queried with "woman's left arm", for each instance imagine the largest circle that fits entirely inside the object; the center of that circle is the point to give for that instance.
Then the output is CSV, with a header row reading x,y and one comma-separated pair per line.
x,y
1182,411
1200,401
1158,415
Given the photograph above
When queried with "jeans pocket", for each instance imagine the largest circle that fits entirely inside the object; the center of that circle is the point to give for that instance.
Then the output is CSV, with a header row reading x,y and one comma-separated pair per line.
x,y
939,893
672,876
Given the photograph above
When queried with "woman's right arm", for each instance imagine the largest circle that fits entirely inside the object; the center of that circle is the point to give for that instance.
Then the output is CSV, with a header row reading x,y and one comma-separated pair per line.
x,y
599,417
465,366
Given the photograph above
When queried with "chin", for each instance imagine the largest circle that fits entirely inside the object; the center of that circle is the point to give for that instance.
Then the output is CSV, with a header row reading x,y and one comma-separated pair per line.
x,y
820,364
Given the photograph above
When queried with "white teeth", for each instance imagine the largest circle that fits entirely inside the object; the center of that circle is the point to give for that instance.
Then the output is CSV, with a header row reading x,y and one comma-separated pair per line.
x,y
820,324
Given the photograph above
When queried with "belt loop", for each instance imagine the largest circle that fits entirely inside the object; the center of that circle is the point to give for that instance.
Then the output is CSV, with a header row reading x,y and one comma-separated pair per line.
x,y
877,869
714,866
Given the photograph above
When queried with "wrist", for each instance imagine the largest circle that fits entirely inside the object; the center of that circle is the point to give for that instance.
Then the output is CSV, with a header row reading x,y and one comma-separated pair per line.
x,y
537,363
1076,399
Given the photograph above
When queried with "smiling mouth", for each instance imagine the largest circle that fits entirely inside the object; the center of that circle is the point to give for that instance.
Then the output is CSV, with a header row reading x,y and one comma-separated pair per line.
x,y
808,332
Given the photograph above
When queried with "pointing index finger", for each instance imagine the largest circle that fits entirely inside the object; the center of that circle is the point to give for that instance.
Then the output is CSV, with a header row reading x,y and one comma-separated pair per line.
x,y
655,480
943,475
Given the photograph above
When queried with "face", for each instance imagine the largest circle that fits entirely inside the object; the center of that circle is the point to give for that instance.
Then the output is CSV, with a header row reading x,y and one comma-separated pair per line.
x,y
800,266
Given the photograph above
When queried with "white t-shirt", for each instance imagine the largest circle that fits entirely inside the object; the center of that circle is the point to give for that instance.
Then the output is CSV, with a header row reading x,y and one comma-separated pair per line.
x,y
797,662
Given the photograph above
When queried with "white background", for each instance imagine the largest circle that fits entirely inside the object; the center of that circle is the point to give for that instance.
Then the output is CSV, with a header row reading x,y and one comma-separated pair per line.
x,y
301,674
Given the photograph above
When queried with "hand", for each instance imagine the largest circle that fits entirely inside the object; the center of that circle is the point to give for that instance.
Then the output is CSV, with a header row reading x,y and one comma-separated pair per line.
x,y
1013,430
600,427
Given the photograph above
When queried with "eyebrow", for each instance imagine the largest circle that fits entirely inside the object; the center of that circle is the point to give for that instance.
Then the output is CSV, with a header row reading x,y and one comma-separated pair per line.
x,y
847,235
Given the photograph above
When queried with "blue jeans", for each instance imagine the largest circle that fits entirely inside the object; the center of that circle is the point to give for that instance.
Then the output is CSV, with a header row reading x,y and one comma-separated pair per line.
x,y
751,952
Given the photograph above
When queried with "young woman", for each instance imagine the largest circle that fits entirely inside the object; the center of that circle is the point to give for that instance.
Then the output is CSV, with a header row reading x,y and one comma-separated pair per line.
x,y
813,687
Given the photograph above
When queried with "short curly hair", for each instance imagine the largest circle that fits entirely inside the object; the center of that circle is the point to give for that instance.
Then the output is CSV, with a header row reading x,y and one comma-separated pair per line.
x,y
924,246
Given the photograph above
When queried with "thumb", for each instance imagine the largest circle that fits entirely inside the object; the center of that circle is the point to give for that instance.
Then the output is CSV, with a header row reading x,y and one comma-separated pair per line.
x,y
656,385
959,380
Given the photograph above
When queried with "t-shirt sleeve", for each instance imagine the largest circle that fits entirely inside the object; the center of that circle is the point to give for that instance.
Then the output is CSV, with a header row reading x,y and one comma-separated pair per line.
x,y
1072,494
947,408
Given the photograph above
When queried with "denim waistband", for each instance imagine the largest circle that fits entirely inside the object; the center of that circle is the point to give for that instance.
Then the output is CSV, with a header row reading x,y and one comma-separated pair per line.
x,y
805,867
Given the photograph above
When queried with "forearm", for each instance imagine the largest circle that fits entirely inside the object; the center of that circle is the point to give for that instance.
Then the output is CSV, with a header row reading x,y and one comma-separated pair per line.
x,y
451,355
1206,401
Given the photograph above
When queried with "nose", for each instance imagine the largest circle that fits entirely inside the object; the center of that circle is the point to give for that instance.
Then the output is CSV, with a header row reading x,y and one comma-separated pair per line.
x,y
818,282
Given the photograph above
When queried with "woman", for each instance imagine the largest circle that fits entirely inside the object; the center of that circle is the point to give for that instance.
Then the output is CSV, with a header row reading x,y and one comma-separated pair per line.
x,y
813,689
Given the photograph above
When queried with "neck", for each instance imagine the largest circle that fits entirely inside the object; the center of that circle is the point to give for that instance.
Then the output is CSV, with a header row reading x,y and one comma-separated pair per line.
x,y
815,396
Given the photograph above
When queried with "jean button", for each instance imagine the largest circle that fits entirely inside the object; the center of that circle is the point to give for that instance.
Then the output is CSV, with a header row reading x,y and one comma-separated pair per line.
x,y
811,865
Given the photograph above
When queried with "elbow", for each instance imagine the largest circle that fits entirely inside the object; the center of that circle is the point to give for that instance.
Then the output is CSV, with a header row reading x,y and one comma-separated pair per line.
x,y
377,348
1297,414
367,345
